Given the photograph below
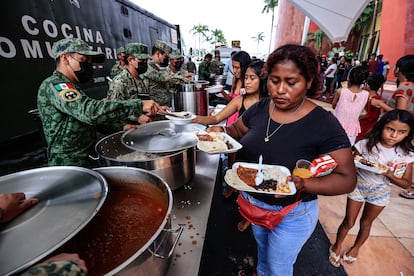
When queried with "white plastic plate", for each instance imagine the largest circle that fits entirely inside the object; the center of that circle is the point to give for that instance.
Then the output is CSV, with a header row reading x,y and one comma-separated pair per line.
x,y
180,121
227,139
241,186
368,168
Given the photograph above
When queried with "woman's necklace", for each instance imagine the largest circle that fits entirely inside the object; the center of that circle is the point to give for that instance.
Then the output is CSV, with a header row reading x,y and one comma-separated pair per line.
x,y
268,136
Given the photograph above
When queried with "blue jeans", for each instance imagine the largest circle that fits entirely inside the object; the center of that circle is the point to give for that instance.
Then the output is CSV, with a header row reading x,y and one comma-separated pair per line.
x,y
279,248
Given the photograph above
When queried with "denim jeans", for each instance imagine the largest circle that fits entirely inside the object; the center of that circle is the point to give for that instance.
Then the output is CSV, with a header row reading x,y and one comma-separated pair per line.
x,y
279,248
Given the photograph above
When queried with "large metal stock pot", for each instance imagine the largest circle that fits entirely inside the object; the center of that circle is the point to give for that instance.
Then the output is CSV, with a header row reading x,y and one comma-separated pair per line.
x,y
128,236
69,197
192,97
162,147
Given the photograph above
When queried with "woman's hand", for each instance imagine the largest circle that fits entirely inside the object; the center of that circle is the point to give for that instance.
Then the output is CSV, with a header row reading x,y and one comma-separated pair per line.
x,y
299,182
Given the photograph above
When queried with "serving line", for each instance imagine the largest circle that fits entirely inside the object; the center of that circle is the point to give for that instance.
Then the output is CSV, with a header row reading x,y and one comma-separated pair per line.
x,y
191,209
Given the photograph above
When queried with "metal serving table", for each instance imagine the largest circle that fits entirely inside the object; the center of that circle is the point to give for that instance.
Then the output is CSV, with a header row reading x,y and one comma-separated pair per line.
x,y
191,209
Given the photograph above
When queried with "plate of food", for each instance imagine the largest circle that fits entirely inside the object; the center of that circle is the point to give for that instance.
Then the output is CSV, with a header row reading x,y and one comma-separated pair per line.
x,y
371,166
180,118
242,177
215,88
217,142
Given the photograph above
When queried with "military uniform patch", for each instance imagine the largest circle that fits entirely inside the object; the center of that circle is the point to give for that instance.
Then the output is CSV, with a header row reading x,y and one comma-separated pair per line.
x,y
67,92
69,95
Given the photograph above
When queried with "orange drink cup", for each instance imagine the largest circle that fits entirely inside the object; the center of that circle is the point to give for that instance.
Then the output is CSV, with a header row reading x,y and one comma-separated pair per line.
x,y
302,169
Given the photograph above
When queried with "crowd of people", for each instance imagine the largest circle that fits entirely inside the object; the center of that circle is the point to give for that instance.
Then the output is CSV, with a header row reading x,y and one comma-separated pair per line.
x,y
335,71
270,104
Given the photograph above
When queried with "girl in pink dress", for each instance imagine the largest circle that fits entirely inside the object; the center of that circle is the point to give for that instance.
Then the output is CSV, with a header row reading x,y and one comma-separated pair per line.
x,y
349,103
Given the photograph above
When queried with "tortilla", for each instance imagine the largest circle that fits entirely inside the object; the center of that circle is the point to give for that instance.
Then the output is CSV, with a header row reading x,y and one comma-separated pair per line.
x,y
212,142
212,146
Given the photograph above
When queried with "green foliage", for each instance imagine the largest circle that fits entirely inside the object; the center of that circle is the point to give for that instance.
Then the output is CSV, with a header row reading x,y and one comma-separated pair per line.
x,y
217,37
365,19
259,38
335,51
318,38
270,6
349,55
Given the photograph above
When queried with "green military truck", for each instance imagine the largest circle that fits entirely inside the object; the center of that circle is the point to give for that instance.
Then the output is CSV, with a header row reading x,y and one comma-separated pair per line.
x,y
29,29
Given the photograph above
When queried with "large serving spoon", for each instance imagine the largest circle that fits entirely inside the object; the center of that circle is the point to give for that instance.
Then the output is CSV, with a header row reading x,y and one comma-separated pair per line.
x,y
259,175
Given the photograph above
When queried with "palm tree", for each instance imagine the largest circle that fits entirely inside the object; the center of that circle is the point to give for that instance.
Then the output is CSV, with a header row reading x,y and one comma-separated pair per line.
x,y
318,38
259,38
270,6
217,37
201,31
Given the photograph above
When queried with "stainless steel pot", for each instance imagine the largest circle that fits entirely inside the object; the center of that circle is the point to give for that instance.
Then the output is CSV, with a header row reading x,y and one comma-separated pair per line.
x,y
176,168
69,197
220,80
192,97
154,257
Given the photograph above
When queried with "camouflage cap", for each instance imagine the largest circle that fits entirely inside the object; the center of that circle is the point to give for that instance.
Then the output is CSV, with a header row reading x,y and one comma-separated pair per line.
x,y
76,45
120,50
138,50
163,46
176,53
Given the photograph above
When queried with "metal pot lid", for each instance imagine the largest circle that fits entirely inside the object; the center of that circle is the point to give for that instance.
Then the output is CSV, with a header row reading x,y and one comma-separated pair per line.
x,y
161,136
69,197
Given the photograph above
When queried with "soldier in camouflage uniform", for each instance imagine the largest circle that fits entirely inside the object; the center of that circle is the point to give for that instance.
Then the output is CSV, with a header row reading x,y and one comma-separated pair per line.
x,y
176,64
68,115
191,66
62,264
216,66
129,84
204,68
160,79
117,68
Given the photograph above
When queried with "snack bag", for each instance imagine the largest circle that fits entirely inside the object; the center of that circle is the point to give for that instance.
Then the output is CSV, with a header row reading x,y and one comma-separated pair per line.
x,y
322,166
398,169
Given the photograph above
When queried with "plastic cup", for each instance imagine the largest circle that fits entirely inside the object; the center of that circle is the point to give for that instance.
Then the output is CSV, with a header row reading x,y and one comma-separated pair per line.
x,y
302,169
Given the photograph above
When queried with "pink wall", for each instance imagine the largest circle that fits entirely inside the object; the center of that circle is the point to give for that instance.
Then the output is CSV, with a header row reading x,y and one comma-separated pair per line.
x,y
290,24
397,27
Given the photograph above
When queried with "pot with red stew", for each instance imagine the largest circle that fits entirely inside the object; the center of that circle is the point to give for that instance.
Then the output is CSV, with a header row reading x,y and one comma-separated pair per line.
x,y
131,233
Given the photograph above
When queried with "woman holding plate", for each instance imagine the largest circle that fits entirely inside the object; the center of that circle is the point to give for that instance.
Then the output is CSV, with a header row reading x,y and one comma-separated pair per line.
x,y
284,128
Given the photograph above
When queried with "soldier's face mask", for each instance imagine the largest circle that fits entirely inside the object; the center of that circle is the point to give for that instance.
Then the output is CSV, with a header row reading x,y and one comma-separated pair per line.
x,y
165,61
177,65
86,70
142,66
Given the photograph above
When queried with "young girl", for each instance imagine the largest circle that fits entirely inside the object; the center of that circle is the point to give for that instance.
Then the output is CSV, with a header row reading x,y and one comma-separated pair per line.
x,y
372,112
349,102
388,143
255,88
239,61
